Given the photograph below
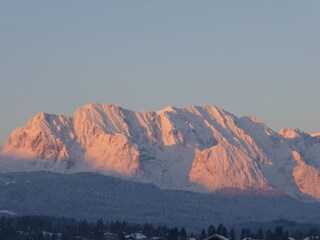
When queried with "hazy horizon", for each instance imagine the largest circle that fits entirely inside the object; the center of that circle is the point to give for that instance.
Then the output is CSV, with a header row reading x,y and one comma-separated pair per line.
x,y
251,58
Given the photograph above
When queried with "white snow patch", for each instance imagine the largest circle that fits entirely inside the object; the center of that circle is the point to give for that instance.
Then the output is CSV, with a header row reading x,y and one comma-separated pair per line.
x,y
8,212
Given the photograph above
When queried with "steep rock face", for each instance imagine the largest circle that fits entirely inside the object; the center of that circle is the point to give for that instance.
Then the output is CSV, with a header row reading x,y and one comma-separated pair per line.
x,y
307,179
306,153
219,168
103,133
45,136
198,148
234,161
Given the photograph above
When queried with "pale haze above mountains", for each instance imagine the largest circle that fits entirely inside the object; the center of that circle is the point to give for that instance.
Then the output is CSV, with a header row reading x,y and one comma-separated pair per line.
x,y
197,148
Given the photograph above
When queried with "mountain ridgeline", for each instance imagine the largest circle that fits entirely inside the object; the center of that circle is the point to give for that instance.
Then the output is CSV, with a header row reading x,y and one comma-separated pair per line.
x,y
198,148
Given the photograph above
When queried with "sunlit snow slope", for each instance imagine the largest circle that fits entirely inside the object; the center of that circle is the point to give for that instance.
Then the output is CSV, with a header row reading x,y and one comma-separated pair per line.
x,y
198,148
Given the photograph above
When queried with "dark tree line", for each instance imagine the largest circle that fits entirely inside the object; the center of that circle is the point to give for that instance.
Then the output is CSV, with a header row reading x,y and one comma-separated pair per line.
x,y
50,228
279,234
220,230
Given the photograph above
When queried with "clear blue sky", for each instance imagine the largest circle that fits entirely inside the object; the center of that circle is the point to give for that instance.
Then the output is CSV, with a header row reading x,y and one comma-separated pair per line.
x,y
251,57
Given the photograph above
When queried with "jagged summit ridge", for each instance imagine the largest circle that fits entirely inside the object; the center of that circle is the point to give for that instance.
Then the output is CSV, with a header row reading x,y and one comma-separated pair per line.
x,y
198,148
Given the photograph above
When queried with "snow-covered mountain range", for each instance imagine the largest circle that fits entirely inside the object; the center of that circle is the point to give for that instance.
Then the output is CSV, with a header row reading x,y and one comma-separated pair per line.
x,y
198,148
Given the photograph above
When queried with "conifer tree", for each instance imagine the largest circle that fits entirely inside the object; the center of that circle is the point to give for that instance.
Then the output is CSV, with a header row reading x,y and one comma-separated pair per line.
x,y
183,234
211,230
243,233
99,230
219,229
203,234
260,234
232,234
269,235
224,232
